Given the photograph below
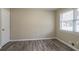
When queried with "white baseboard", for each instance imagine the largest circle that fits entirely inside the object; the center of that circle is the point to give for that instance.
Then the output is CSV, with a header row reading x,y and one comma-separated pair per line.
x,y
67,44
32,39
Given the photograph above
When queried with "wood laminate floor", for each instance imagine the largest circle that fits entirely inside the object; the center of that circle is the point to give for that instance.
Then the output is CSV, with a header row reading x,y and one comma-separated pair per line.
x,y
36,45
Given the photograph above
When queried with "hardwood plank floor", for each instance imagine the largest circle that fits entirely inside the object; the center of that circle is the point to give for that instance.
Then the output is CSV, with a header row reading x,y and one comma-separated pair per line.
x,y
36,45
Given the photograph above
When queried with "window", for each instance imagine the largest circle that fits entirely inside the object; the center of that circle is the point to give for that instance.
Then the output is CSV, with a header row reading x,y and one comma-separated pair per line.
x,y
77,21
77,26
77,13
69,20
66,20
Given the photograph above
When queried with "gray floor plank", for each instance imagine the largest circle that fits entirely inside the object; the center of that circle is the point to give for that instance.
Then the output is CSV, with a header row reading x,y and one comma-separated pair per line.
x,y
36,45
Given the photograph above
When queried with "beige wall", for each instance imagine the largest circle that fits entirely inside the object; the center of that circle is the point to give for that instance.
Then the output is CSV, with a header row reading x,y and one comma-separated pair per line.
x,y
68,37
32,23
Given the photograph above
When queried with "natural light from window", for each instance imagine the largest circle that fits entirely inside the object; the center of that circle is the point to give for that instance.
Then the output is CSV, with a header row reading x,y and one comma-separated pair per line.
x,y
66,20
77,21
69,20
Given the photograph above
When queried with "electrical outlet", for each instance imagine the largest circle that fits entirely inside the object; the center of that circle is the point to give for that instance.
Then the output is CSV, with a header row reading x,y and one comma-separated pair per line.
x,y
73,44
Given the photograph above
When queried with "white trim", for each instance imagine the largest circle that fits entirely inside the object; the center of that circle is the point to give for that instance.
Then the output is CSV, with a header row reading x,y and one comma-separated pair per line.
x,y
67,44
32,39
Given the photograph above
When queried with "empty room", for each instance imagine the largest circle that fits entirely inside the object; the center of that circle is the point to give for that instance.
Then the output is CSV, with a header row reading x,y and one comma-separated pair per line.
x,y
39,29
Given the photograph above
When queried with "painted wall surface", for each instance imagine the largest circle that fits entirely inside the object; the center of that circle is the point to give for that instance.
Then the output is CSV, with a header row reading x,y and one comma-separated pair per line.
x,y
32,24
66,36
5,25
0,26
